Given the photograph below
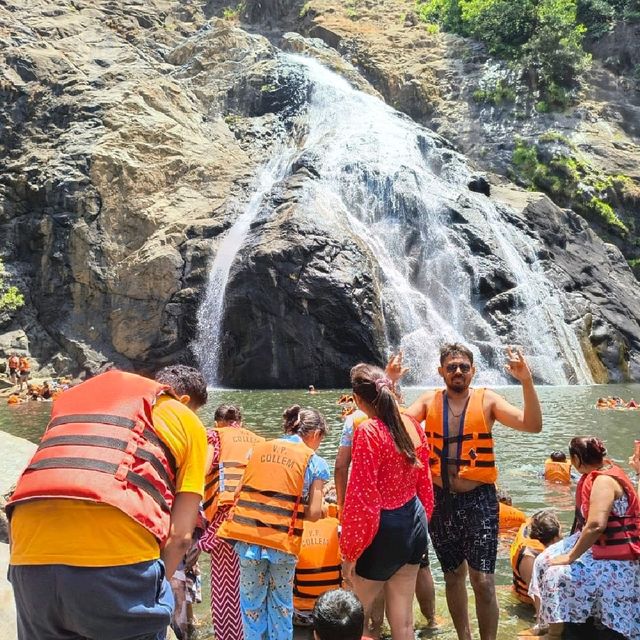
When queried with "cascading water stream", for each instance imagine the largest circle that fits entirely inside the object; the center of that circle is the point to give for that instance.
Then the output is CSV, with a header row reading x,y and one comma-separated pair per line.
x,y
211,311
395,185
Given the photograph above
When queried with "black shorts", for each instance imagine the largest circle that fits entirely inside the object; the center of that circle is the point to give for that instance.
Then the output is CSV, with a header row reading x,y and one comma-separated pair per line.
x,y
464,526
401,539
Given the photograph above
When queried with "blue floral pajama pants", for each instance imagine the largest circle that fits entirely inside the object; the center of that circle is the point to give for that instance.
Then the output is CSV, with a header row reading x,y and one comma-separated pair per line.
x,y
266,599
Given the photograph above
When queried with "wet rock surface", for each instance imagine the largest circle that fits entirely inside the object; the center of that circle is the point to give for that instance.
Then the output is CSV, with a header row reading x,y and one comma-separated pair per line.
x,y
130,137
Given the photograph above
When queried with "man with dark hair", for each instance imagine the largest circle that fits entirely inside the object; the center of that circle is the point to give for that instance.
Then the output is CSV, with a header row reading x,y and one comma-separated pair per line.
x,y
338,615
104,512
187,383
464,525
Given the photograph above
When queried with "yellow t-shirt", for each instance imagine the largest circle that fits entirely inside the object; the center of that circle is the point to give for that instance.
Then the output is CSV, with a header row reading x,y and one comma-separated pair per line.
x,y
89,534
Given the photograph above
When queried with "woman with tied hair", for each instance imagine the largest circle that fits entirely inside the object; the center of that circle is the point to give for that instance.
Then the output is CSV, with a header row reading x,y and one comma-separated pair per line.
x,y
281,487
388,500
595,572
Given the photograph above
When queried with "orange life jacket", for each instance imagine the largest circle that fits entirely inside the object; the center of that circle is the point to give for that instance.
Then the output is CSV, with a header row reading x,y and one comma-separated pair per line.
x,y
319,566
558,472
223,478
24,365
621,538
13,362
475,459
521,542
14,400
510,517
269,510
100,445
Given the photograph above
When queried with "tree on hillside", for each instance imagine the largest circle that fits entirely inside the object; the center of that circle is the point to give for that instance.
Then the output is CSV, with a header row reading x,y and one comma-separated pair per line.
x,y
10,298
543,35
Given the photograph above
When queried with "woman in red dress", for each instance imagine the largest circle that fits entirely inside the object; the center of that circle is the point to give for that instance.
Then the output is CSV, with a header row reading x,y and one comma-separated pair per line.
x,y
388,501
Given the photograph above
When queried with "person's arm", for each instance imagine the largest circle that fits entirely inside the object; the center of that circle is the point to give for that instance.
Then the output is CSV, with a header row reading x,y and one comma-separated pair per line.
x,y
634,463
526,568
341,472
419,409
603,494
313,510
424,489
184,515
529,418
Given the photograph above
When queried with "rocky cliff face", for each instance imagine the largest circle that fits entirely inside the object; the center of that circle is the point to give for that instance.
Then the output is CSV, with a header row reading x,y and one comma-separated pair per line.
x,y
130,137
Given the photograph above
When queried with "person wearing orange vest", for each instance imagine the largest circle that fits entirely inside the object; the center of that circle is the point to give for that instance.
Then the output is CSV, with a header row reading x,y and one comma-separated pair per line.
x,y
557,468
13,363
280,489
24,368
534,536
464,526
508,516
105,509
319,564
595,572
230,445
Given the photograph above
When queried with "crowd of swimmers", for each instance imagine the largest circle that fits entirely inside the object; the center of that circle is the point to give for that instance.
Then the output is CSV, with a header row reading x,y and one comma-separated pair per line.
x,y
615,402
127,488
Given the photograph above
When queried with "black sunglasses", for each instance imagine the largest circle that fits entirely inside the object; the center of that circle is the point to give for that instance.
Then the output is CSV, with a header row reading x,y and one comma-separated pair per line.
x,y
464,367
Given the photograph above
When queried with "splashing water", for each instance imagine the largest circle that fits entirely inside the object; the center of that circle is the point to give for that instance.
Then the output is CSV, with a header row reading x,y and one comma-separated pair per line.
x,y
399,188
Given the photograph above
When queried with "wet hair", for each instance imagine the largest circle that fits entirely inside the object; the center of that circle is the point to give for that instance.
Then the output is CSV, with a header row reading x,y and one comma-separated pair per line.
x,y
504,496
558,456
303,422
588,450
228,413
455,349
338,615
544,526
184,380
371,384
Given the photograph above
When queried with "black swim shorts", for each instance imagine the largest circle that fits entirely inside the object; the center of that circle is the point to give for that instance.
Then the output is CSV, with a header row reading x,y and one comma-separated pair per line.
x,y
464,526
401,539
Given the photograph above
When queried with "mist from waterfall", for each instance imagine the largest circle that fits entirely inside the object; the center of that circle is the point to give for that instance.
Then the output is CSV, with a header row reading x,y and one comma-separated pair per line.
x,y
396,184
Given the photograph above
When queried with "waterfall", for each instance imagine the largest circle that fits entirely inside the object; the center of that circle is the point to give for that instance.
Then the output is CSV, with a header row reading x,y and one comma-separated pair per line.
x,y
208,342
397,185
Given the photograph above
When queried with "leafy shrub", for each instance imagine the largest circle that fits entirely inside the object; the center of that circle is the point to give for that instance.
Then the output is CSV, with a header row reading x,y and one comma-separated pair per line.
x,y
10,298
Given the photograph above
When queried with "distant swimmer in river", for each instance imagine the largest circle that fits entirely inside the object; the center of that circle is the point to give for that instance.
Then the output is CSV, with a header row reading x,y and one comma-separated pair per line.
x,y
557,468
312,390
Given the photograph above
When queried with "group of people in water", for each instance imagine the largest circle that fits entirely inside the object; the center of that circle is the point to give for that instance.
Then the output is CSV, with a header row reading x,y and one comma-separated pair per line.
x,y
106,511
19,372
616,402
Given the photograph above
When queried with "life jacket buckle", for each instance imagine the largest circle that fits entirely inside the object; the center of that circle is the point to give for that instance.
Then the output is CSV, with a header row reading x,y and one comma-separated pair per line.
x,y
121,473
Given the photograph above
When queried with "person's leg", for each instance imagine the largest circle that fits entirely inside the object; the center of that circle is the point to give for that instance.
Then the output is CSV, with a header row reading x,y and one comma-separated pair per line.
x,y
38,616
376,619
368,592
225,592
426,595
280,600
253,598
446,536
487,610
398,594
457,601
480,543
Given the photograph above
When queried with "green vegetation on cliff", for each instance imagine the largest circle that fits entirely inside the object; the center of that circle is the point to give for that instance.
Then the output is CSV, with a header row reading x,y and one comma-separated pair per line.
x,y
609,202
544,37
10,298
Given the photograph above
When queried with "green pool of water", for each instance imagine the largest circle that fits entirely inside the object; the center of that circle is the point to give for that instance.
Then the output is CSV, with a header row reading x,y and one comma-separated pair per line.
x,y
567,411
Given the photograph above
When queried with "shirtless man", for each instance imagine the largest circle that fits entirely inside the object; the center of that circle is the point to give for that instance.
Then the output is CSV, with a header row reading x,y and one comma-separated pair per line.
x,y
464,524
